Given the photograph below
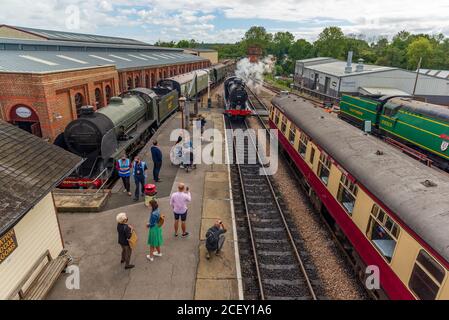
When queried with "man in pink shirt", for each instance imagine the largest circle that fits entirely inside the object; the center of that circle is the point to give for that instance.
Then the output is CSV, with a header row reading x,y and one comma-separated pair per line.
x,y
178,202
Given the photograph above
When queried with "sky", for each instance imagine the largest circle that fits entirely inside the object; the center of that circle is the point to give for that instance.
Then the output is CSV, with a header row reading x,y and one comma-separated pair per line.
x,y
225,21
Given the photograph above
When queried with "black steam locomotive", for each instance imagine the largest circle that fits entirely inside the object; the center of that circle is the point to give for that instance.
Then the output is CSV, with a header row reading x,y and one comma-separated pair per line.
x,y
124,126
236,98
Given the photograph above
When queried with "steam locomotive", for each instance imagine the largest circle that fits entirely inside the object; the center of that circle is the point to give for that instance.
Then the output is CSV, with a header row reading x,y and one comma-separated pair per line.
x,y
236,98
124,126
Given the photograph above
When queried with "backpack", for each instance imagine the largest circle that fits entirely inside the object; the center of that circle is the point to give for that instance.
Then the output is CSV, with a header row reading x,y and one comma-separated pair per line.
x,y
211,238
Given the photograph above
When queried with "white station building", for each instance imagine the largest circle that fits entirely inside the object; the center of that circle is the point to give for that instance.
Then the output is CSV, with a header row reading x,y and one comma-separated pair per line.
x,y
334,77
32,254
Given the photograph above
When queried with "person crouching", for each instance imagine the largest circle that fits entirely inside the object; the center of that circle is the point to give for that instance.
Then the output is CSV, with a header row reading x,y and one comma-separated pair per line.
x,y
215,238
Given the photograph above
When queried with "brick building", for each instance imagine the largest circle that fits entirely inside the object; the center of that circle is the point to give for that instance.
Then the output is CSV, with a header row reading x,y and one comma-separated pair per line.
x,y
46,76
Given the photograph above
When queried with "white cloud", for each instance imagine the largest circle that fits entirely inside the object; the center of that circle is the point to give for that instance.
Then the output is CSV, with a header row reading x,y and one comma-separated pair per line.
x,y
176,19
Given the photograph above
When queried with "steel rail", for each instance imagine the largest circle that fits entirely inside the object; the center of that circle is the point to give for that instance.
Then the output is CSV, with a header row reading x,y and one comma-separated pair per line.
x,y
245,202
287,228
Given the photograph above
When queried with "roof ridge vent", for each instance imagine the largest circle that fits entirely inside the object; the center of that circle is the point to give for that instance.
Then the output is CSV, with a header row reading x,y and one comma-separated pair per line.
x,y
379,153
428,183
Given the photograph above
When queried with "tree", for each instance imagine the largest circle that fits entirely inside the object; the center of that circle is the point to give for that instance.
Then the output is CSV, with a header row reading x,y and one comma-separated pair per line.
x,y
160,43
282,41
331,43
301,49
257,36
183,44
420,48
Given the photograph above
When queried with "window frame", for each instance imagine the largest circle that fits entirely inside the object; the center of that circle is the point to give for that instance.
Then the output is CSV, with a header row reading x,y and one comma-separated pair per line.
x,y
312,155
284,123
343,187
418,264
375,214
303,142
322,163
292,132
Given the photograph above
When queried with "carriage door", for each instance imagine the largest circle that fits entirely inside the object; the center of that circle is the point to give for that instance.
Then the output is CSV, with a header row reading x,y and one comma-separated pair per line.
x,y
26,119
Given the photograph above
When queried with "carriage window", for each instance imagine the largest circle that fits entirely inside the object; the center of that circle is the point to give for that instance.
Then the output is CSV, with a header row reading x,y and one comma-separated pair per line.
x,y
383,232
427,276
292,134
347,193
303,141
312,155
284,124
324,168
276,118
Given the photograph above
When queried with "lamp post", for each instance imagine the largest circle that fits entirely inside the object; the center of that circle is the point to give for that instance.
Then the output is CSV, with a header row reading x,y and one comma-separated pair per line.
x,y
182,102
209,100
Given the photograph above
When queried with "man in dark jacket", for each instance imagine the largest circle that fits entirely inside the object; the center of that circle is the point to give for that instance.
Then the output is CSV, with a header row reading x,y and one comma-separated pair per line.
x,y
124,234
156,154
215,238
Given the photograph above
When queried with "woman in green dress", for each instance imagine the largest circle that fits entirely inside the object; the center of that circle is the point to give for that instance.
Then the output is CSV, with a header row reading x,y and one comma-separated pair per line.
x,y
155,239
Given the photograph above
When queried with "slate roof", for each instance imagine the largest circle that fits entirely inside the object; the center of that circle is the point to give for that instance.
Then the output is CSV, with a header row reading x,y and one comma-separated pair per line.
x,y
59,45
392,177
51,61
71,36
29,169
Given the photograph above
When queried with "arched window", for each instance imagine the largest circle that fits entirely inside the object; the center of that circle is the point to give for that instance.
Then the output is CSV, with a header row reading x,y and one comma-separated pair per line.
x,y
79,102
98,98
137,81
108,93
129,84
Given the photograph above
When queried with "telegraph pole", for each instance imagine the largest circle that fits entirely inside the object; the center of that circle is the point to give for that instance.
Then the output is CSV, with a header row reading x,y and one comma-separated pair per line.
x,y
417,74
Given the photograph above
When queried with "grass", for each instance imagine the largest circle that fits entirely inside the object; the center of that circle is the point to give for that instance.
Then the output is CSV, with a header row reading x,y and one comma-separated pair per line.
x,y
278,83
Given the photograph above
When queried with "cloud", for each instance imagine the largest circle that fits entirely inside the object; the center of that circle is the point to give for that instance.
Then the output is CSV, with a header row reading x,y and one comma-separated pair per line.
x,y
199,19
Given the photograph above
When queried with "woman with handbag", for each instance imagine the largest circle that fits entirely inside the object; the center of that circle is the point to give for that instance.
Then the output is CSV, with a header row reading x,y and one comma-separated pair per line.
x,y
155,239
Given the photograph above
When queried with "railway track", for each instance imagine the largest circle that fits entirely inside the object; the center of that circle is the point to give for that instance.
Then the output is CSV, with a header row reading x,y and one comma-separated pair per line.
x,y
255,101
274,262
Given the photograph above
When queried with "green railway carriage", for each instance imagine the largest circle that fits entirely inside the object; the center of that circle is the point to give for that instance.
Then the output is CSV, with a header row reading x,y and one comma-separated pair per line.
x,y
418,124
357,110
421,124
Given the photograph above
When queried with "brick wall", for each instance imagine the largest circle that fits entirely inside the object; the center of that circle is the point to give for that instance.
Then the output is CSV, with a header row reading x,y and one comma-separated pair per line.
x,y
52,96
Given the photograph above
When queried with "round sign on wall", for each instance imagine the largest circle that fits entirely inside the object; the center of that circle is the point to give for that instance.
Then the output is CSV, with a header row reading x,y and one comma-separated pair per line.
x,y
23,112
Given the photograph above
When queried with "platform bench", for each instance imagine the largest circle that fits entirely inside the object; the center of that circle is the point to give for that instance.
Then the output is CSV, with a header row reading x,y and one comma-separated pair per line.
x,y
45,279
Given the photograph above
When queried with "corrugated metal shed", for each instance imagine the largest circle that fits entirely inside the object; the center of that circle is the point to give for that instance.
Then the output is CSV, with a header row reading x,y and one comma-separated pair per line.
x,y
379,91
444,74
337,68
29,169
51,61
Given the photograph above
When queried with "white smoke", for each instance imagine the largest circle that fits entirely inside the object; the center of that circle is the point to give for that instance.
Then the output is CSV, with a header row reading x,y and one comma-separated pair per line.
x,y
252,73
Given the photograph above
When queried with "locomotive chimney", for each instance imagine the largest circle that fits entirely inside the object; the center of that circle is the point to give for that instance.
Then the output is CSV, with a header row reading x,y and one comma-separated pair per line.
x,y
87,111
348,68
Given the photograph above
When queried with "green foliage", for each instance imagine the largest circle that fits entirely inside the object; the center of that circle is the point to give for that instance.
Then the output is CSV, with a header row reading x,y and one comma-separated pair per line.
x,y
257,36
331,43
403,51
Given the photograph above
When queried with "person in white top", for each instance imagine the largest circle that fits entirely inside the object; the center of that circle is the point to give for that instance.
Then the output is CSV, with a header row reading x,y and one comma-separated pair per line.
x,y
179,201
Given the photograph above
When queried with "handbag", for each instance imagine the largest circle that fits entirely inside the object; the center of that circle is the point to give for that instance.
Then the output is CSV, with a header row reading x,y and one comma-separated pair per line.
x,y
161,221
133,240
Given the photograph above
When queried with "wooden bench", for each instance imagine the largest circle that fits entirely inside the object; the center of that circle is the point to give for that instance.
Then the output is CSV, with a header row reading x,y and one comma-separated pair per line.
x,y
44,280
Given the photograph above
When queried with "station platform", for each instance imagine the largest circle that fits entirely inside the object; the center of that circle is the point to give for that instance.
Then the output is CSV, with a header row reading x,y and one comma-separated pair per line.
x,y
183,272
